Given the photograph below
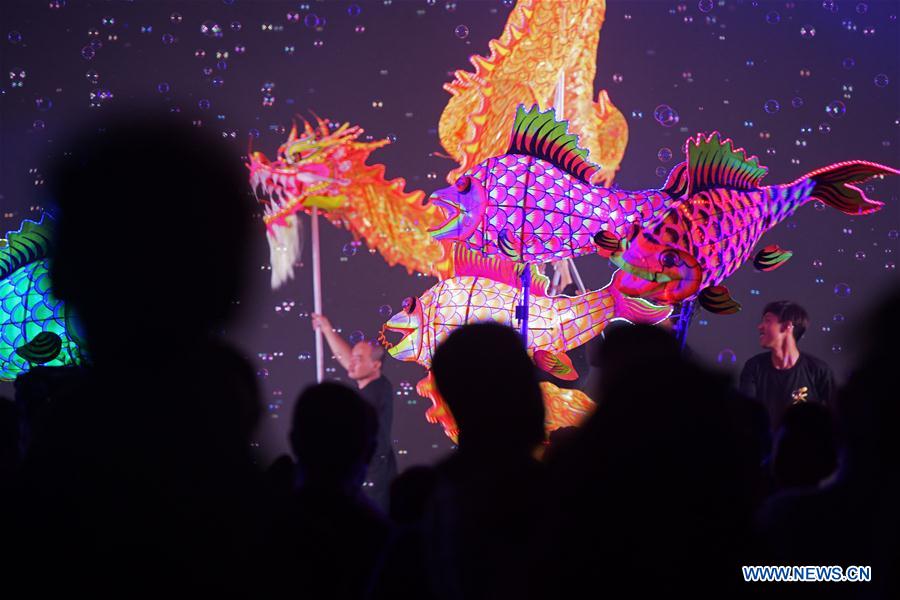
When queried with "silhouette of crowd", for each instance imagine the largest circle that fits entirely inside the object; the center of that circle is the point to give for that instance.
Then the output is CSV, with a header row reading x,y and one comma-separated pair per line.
x,y
134,477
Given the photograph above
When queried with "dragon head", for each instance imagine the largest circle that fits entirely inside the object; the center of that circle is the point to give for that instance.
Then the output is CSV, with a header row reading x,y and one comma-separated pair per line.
x,y
311,170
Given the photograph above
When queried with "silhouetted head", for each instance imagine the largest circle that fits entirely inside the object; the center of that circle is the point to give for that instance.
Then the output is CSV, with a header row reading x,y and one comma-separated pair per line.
x,y
805,449
333,435
780,320
487,379
867,406
9,436
627,351
154,222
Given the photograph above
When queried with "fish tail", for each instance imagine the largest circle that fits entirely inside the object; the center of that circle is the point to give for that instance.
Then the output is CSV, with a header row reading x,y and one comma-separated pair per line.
x,y
833,185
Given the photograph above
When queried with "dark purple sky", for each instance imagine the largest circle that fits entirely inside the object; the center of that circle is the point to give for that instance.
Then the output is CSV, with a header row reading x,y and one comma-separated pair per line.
x,y
716,69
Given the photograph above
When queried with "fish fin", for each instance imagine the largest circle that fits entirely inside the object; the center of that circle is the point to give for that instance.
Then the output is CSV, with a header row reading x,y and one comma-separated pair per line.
x,y
43,348
564,407
474,264
717,300
636,310
541,135
770,258
508,245
439,412
557,364
676,184
714,163
832,185
607,242
30,243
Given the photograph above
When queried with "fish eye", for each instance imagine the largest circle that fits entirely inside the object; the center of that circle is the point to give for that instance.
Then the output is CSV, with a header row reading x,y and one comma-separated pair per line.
x,y
463,184
409,305
670,258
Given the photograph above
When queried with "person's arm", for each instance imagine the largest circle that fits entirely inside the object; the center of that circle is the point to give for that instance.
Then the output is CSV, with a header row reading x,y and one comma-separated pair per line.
x,y
339,347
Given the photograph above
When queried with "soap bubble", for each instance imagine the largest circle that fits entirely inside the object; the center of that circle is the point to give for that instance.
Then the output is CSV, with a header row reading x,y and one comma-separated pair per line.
x,y
881,80
705,6
211,29
349,249
771,106
665,115
726,357
461,31
836,109
43,103
385,311
664,154
842,290
772,18
357,337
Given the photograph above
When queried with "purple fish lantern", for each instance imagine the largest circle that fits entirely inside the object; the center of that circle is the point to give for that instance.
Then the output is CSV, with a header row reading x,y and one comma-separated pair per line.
x,y
535,204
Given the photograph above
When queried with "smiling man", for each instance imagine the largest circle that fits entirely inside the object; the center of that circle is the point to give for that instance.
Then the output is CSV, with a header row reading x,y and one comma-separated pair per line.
x,y
783,375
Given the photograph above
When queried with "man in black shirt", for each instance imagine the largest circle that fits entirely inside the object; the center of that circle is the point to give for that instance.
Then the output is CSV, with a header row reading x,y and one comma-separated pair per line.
x,y
363,364
783,375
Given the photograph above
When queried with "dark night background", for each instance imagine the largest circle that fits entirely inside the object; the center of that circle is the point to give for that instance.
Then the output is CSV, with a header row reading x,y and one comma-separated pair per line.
x,y
717,64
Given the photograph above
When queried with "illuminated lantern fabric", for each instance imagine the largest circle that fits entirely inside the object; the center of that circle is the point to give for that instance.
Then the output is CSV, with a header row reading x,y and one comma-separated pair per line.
x,y
535,203
35,327
723,211
541,39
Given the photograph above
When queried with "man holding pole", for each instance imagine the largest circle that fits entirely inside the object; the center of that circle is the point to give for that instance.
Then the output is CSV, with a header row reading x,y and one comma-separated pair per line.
x,y
363,365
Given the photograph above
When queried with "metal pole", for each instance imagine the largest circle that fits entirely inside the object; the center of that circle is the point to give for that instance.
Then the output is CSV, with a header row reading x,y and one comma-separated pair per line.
x,y
522,310
685,314
577,276
317,291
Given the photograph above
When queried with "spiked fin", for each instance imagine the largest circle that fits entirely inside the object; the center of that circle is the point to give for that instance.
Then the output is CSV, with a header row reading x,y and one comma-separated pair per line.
x,y
717,300
30,243
557,364
715,163
770,258
469,263
539,134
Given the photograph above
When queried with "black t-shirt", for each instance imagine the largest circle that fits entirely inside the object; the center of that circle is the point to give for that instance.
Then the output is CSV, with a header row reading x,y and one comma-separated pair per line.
x,y
380,394
809,380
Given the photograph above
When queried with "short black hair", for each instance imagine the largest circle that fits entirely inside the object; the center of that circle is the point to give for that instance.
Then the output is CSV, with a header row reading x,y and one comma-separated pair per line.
x,y
787,311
